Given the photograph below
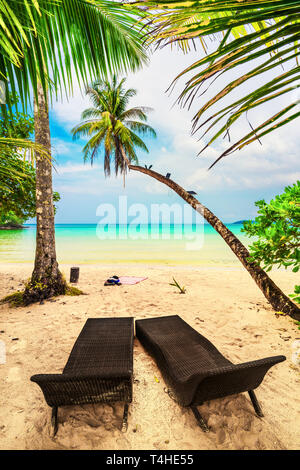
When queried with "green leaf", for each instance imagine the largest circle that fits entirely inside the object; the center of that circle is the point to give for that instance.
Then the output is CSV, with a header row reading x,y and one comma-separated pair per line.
x,y
45,38
257,38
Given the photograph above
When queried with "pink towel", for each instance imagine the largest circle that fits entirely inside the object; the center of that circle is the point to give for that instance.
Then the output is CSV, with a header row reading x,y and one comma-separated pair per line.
x,y
130,280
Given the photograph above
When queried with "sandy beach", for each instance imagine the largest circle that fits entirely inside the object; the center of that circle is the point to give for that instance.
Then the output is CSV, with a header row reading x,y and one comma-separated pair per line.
x,y
223,304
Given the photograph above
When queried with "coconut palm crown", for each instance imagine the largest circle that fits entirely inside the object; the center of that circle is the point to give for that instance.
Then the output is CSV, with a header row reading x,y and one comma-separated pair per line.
x,y
112,127
40,40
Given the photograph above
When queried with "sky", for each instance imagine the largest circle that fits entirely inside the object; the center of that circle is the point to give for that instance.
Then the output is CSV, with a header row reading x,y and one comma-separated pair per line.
x,y
229,189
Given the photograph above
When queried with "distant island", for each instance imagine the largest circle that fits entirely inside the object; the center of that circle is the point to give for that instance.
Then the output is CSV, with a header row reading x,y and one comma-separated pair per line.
x,y
239,221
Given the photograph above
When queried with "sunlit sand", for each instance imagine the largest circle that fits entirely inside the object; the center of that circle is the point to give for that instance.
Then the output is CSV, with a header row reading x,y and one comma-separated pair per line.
x,y
224,304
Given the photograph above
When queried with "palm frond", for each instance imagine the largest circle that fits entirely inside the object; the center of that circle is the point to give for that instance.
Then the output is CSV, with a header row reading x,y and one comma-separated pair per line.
x,y
10,167
136,113
262,35
82,130
91,113
7,144
40,40
138,142
141,128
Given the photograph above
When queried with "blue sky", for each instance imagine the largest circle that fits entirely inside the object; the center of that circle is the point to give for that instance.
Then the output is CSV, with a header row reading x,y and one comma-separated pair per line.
x,y
229,189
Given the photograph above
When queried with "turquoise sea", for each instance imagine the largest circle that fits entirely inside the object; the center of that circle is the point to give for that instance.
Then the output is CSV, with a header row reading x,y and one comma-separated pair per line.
x,y
157,244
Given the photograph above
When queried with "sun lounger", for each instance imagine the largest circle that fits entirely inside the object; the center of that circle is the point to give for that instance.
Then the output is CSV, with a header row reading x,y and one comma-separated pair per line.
x,y
194,369
99,368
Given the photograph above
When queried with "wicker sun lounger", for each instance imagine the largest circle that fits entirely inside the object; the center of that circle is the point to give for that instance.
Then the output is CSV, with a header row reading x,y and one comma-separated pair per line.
x,y
99,368
194,369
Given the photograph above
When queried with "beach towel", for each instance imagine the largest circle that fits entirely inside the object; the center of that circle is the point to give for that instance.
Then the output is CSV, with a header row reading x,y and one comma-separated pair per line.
x,y
130,280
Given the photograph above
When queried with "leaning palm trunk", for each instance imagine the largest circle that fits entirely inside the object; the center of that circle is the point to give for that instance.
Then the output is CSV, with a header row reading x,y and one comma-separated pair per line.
x,y
278,300
46,279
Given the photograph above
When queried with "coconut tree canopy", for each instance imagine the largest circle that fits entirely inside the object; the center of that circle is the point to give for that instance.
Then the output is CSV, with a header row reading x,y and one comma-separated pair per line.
x,y
111,126
52,41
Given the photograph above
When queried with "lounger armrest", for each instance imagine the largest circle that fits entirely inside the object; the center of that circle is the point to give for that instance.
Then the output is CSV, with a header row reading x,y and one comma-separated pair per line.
x,y
61,378
227,380
267,362
69,389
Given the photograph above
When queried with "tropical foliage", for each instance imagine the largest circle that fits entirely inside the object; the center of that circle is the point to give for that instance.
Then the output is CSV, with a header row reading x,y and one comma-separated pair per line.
x,y
44,46
17,194
10,219
19,124
112,127
261,35
277,227
17,173
296,297
7,145
277,231
41,40
14,133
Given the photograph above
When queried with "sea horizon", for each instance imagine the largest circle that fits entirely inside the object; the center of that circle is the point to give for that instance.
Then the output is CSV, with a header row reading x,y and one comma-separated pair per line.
x,y
92,243
149,223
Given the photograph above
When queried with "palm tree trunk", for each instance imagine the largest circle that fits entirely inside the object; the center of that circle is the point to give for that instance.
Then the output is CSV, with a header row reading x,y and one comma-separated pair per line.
x,y
278,300
126,161
46,279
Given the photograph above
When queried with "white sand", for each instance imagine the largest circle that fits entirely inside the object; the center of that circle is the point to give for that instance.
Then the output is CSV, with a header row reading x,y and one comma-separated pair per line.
x,y
225,305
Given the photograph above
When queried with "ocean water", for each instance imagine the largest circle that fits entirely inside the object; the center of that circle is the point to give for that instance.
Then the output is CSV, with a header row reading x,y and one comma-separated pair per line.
x,y
150,244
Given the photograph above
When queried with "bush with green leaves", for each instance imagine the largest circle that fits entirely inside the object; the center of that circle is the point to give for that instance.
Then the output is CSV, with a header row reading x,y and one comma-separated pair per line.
x,y
17,175
17,195
10,219
20,125
277,232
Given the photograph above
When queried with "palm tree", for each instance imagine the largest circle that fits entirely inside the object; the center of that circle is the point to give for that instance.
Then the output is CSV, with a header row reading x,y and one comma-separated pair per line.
x,y
278,300
112,127
256,29
260,34
40,42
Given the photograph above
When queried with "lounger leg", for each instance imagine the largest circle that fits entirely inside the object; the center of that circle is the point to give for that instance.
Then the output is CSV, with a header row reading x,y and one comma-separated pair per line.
x,y
125,418
255,404
199,419
54,421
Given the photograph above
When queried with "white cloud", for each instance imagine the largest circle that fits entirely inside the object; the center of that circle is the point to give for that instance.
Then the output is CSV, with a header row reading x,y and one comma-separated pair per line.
x,y
273,164
71,167
69,112
151,83
61,148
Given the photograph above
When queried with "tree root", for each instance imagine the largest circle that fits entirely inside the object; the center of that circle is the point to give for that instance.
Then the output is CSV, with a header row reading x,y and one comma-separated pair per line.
x,y
37,294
